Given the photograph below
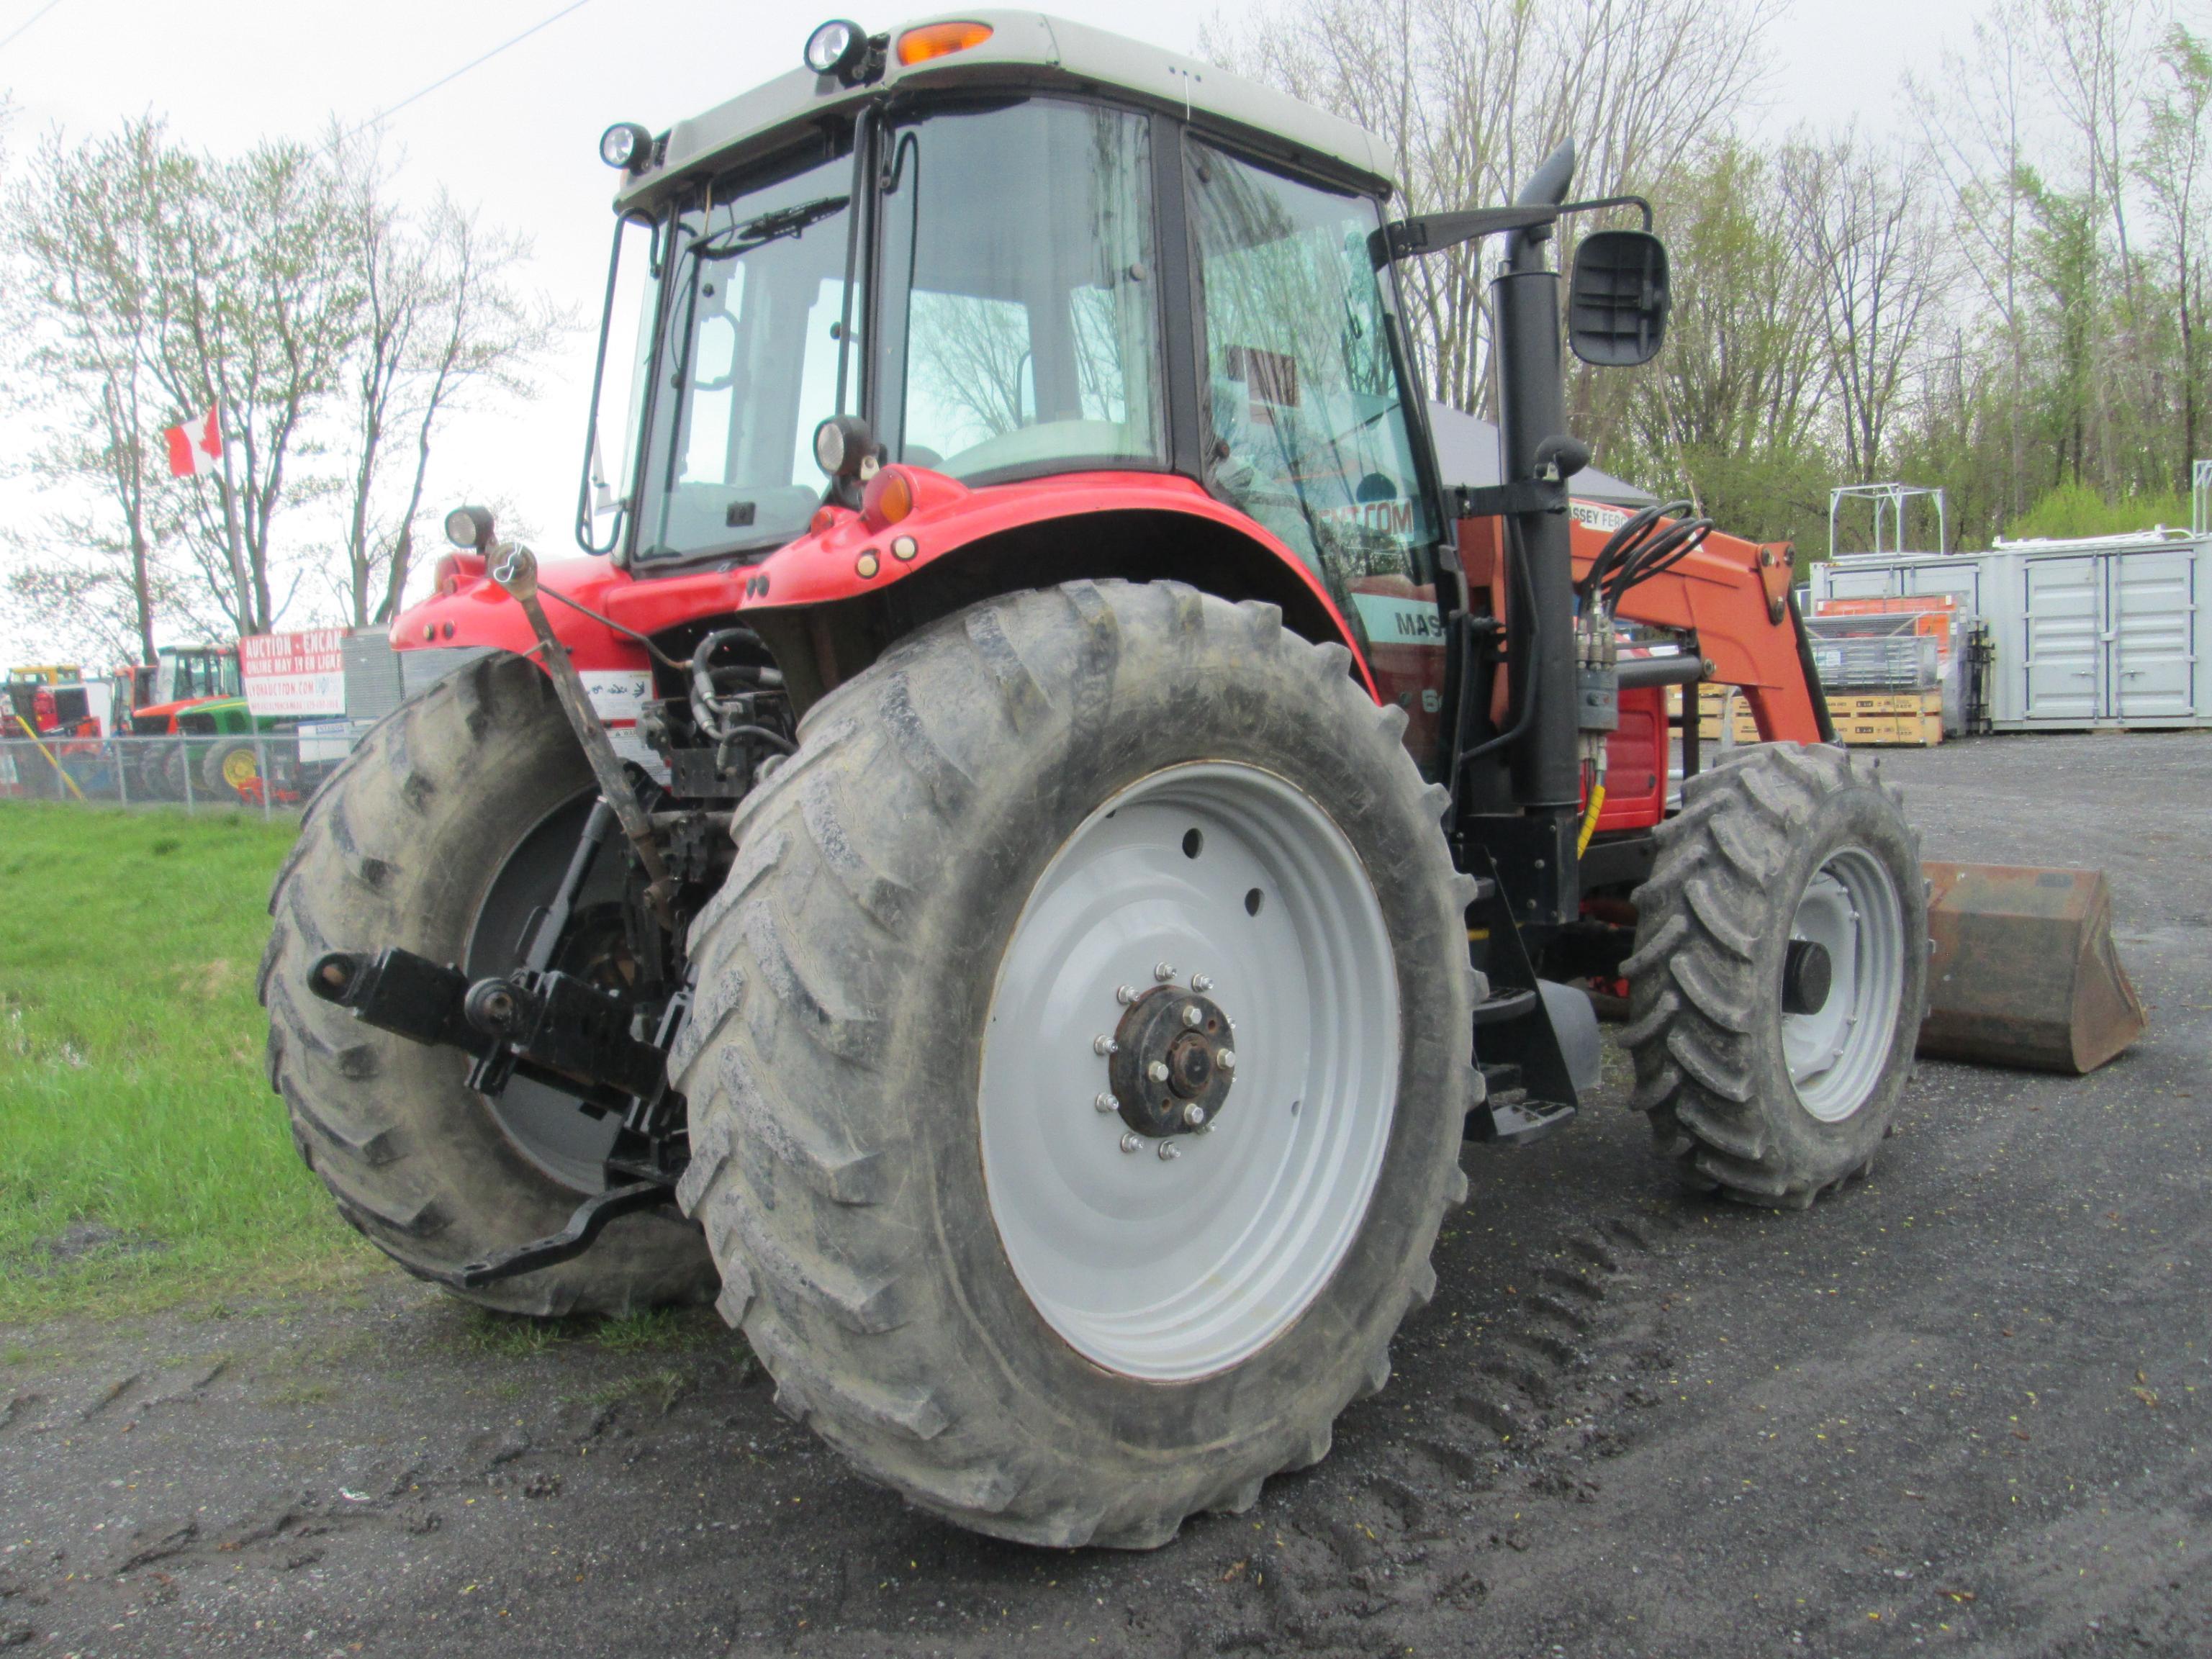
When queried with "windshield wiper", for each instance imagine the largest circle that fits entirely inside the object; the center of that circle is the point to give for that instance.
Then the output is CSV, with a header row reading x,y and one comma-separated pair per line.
x,y
768,228
754,233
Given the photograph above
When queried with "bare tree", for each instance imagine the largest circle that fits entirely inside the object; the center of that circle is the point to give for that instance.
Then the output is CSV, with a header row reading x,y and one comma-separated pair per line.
x,y
1471,95
83,276
2173,169
1738,393
438,322
1974,118
256,311
1861,226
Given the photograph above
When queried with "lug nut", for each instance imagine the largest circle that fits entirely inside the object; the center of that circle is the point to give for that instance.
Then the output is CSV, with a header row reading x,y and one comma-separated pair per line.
x,y
1131,1142
1193,1014
1158,1071
1201,983
1163,972
1104,1045
1227,1060
1170,1151
1124,994
1106,1102
1193,1114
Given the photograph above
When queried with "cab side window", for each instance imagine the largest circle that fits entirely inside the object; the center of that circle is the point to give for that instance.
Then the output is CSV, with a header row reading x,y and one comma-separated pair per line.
x,y
1308,433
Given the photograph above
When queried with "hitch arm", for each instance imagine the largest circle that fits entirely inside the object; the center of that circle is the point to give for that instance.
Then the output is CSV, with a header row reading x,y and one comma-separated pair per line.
x,y
514,567
584,1228
549,1026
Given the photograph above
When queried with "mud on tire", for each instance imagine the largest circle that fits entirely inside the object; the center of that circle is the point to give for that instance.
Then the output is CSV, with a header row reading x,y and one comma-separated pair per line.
x,y
1706,1015
834,1059
400,847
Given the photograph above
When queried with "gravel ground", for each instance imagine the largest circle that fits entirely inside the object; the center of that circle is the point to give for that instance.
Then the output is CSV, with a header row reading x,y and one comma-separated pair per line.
x,y
1961,1407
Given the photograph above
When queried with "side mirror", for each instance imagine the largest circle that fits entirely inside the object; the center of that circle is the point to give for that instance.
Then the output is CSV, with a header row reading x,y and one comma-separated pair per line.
x,y
1617,299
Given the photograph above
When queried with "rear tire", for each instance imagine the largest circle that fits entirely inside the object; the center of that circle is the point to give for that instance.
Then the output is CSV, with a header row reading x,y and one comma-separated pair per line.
x,y
167,769
1770,1106
407,845
231,770
886,1205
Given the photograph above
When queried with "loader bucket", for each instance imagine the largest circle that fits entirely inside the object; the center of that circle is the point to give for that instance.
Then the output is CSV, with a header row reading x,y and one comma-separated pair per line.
x,y
2023,971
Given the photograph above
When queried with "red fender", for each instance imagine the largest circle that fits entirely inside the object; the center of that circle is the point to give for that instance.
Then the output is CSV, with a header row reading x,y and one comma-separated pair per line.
x,y
844,555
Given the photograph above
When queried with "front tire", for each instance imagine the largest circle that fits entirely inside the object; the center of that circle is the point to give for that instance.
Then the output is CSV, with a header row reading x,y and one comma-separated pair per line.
x,y
1779,976
902,1147
440,833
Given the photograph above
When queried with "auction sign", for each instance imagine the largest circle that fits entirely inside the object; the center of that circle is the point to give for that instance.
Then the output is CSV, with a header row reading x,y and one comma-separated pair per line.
x,y
293,674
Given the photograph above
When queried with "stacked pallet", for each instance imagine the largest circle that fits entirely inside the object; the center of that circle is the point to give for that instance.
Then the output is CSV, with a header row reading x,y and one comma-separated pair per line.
x,y
1864,720
1888,719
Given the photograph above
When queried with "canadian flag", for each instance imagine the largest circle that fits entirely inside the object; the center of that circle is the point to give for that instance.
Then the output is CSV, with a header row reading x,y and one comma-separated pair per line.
x,y
197,446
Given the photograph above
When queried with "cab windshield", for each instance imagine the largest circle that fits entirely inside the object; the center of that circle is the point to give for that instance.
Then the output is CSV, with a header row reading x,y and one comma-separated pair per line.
x,y
1021,302
751,316
180,675
1016,322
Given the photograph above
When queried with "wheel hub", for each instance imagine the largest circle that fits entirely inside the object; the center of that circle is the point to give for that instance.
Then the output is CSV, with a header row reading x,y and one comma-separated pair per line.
x,y
1170,1063
1808,974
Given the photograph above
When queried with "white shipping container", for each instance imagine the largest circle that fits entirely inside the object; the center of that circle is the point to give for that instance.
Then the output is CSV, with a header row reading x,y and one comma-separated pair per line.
x,y
2109,632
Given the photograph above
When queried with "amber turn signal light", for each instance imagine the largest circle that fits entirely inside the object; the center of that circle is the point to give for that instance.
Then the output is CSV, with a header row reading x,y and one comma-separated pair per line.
x,y
941,40
889,497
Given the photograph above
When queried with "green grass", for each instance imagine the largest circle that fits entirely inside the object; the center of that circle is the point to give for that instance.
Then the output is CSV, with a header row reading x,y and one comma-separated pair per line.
x,y
656,1330
131,1092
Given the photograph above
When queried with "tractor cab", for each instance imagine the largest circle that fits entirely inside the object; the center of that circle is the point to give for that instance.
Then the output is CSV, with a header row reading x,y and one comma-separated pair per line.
x,y
1005,250
180,677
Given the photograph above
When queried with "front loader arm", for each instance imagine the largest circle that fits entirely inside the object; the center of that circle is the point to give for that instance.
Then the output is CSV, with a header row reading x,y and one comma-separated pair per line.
x,y
1735,595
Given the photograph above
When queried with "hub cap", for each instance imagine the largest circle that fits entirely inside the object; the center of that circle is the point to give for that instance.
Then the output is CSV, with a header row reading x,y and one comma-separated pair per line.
x,y
1172,1062
1842,978
1177,1157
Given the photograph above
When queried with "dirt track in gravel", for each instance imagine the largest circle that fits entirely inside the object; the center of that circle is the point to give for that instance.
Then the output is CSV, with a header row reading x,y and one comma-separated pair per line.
x,y
1963,1407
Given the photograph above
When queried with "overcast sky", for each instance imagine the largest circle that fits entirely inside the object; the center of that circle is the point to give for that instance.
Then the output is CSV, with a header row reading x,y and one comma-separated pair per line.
x,y
517,135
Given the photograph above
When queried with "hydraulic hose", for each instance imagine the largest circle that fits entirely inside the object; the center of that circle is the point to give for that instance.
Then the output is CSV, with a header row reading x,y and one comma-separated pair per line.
x,y
1597,804
1524,678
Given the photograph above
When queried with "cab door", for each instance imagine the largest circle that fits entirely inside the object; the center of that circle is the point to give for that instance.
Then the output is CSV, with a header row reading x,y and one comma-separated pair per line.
x,y
1306,409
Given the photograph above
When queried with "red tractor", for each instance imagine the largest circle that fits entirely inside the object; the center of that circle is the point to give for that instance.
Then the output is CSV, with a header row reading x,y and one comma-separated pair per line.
x,y
1044,822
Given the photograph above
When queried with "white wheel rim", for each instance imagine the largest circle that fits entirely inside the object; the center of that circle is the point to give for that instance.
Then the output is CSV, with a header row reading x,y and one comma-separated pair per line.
x,y
1837,1052
1161,1270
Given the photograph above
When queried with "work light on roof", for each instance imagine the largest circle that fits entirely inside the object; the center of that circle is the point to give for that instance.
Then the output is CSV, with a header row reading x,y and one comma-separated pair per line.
x,y
626,145
836,48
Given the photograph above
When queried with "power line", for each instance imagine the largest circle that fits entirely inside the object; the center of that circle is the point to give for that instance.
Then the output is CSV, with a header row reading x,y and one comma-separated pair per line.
x,y
474,62
23,27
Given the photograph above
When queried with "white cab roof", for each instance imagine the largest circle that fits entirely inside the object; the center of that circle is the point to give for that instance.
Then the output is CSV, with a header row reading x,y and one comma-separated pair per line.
x,y
1035,51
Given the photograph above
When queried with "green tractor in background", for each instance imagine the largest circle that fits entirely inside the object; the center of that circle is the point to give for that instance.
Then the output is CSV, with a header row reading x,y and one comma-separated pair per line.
x,y
217,743
193,694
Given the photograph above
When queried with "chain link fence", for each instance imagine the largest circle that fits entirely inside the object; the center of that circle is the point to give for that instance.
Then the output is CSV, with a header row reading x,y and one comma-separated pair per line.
x,y
264,772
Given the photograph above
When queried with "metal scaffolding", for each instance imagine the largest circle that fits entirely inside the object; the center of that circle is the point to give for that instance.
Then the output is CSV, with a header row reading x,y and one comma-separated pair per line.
x,y
1890,501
